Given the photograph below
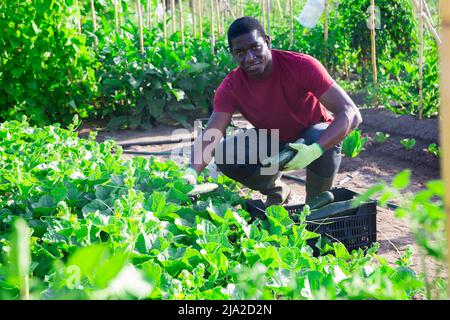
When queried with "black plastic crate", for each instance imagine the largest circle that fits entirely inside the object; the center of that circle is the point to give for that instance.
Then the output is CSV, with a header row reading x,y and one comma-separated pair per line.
x,y
355,231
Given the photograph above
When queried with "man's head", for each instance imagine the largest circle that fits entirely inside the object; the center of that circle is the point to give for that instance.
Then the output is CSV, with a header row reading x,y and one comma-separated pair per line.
x,y
250,46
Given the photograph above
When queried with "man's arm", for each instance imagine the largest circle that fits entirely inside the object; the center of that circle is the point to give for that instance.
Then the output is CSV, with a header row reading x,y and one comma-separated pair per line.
x,y
216,127
346,116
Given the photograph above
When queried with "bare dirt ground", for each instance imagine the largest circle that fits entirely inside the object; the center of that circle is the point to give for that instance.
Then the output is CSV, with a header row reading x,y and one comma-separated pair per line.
x,y
378,163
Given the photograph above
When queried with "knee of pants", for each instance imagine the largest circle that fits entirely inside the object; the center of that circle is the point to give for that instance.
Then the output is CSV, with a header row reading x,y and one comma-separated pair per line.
x,y
237,172
328,164
230,162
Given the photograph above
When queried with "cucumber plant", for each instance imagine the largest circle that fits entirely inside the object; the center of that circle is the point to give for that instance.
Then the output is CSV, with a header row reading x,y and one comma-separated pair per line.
x,y
98,221
353,144
434,150
408,143
381,137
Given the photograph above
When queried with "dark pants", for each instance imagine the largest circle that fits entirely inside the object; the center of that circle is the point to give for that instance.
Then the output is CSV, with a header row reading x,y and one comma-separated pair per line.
x,y
249,173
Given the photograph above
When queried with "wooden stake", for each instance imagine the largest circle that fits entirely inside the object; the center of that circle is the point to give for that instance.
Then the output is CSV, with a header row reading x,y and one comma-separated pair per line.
x,y
141,25
164,21
121,16
291,24
222,15
325,34
264,13
420,59
268,16
236,8
194,18
280,11
78,18
94,22
180,10
219,27
149,14
428,23
200,16
172,13
213,40
372,38
445,118
116,15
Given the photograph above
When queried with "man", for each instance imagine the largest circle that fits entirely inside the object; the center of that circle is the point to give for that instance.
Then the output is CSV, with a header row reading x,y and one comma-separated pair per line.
x,y
276,90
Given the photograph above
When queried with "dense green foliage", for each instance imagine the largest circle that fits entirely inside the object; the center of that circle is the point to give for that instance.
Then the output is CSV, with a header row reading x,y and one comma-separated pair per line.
x,y
103,227
49,71
46,69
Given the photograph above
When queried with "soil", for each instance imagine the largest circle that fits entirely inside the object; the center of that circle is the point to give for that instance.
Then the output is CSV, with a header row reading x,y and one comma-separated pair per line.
x,y
377,163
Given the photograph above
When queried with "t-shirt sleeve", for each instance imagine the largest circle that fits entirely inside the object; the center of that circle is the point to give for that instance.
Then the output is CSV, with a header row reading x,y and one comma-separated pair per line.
x,y
223,99
318,80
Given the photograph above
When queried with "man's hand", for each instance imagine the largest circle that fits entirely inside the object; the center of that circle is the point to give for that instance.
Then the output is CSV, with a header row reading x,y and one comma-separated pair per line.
x,y
305,155
190,175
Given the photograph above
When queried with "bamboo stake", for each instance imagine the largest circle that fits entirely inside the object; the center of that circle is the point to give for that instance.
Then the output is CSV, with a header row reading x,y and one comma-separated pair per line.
x,y
280,11
219,28
94,22
180,10
372,37
164,21
222,15
325,35
264,13
268,16
116,15
200,16
421,60
445,118
78,16
428,23
236,8
194,18
141,24
213,40
291,24
149,14
427,9
172,13
121,16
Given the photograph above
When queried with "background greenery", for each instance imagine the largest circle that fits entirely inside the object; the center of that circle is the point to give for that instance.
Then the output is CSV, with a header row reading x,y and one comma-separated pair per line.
x,y
49,72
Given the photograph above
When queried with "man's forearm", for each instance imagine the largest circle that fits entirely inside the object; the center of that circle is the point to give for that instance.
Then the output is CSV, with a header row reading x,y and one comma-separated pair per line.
x,y
341,126
204,145
199,144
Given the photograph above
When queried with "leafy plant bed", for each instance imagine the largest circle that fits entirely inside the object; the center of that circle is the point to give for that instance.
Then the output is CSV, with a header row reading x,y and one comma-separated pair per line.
x,y
100,227
355,231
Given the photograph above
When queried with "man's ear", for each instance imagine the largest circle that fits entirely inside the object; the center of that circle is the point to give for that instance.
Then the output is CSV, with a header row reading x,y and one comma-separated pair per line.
x,y
268,41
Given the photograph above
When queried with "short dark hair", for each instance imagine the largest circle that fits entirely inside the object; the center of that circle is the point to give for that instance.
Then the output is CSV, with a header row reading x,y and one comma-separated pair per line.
x,y
242,26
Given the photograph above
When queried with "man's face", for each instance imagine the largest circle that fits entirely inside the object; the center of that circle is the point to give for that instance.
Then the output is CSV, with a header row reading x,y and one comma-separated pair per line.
x,y
251,51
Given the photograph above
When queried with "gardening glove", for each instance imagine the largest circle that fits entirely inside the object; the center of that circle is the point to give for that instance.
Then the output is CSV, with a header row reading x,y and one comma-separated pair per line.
x,y
305,155
190,175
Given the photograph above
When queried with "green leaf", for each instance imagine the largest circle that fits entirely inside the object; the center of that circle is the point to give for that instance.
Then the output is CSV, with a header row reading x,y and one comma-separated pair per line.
x,y
269,256
88,259
110,269
402,179
19,256
278,219
341,251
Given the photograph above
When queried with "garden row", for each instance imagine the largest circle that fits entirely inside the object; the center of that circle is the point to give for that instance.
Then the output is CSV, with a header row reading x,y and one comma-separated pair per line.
x,y
76,221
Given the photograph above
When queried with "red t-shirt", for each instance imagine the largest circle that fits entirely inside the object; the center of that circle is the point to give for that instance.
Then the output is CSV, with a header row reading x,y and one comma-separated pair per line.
x,y
286,100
